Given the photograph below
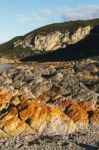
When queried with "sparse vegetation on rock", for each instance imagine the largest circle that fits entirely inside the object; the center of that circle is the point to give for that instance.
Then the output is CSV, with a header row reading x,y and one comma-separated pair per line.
x,y
48,38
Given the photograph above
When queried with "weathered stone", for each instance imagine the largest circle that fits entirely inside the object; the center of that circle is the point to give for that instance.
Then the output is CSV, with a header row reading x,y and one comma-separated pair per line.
x,y
54,40
36,117
58,85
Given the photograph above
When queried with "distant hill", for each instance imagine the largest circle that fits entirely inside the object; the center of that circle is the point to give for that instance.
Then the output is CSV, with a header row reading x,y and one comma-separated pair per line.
x,y
59,40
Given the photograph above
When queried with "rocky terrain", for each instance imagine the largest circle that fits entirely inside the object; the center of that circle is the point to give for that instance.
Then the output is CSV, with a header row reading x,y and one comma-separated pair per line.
x,y
50,105
49,97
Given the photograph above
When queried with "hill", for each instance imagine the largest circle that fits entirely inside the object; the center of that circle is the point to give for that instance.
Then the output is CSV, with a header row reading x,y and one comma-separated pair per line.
x,y
53,37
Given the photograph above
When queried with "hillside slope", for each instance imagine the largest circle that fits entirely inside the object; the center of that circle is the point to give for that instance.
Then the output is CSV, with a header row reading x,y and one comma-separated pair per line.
x,y
49,38
85,48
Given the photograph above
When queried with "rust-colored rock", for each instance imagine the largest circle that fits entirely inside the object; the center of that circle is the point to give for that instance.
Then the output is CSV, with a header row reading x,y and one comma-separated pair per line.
x,y
94,119
35,118
15,100
81,112
5,97
25,116
86,106
13,126
74,111
39,116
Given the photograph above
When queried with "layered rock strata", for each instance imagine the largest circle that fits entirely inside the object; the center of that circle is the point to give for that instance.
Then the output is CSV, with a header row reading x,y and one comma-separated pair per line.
x,y
54,40
49,98
29,116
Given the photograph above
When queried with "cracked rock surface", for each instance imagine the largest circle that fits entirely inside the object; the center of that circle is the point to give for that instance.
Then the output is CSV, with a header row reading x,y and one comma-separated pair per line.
x,y
56,102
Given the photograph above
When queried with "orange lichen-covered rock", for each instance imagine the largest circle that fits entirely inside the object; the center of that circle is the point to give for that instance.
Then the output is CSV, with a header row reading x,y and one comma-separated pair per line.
x,y
86,106
81,112
43,98
15,100
5,97
94,119
92,110
40,115
13,126
12,112
20,115
74,111
97,106
33,117
26,110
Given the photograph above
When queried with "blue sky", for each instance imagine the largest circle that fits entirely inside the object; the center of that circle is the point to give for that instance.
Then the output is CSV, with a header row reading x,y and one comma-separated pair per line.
x,y
18,17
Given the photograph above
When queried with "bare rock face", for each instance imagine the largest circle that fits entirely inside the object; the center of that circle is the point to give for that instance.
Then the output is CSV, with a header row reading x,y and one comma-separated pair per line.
x,y
27,116
54,40
33,117
49,99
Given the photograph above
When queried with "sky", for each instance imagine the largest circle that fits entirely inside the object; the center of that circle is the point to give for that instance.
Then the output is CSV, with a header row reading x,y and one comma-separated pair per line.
x,y
18,17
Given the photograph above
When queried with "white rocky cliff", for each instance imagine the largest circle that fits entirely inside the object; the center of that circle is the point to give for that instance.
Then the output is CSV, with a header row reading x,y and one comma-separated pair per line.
x,y
54,40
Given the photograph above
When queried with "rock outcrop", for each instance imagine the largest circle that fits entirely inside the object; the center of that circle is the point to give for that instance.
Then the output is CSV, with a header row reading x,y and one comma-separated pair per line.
x,y
54,40
48,99
25,116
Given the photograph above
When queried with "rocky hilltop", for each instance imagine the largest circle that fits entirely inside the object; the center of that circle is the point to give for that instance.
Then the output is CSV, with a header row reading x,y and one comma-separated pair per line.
x,y
48,38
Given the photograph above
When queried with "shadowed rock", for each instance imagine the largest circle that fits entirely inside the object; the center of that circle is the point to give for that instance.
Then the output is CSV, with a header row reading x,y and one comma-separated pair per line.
x,y
85,48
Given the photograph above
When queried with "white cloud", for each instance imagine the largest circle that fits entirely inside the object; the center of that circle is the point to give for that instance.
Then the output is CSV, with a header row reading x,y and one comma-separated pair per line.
x,y
65,13
81,12
24,19
42,15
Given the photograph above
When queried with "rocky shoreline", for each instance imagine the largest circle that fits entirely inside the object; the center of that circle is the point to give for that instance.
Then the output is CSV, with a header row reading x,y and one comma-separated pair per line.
x,y
8,61
73,79
50,85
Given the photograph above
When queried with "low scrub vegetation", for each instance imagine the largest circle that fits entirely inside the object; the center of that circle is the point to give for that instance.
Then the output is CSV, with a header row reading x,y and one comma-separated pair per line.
x,y
9,51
